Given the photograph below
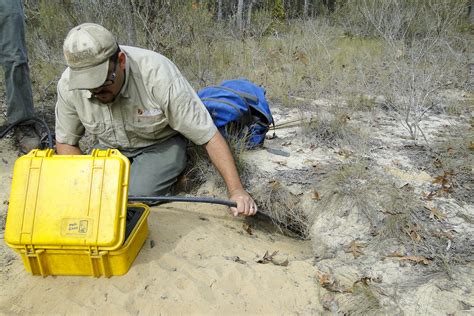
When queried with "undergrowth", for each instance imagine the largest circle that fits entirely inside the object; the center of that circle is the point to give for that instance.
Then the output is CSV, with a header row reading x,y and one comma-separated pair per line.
x,y
395,214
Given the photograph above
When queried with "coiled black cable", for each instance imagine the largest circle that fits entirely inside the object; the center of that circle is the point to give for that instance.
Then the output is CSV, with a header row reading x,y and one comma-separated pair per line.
x,y
35,119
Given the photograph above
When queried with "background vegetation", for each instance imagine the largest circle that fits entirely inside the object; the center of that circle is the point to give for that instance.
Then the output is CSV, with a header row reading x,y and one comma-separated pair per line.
x,y
353,51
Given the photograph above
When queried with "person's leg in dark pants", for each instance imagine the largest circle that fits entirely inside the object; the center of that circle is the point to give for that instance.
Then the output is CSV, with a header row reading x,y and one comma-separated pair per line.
x,y
154,171
13,57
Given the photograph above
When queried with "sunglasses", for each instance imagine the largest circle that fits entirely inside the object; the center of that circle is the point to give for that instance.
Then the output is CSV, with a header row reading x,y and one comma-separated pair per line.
x,y
109,81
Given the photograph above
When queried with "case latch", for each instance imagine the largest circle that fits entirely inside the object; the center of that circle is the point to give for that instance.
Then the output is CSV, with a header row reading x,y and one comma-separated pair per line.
x,y
34,261
99,262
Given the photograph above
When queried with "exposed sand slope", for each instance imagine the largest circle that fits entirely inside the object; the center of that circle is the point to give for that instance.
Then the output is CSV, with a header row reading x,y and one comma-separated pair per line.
x,y
191,269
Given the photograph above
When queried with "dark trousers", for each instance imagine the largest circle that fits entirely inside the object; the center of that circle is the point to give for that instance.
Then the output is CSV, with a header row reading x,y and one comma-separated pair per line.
x,y
13,57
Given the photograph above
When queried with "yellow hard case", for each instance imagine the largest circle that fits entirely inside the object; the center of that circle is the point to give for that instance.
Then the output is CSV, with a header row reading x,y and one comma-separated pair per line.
x,y
68,214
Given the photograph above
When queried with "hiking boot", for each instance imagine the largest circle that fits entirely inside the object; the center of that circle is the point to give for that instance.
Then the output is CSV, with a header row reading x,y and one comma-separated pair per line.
x,y
27,138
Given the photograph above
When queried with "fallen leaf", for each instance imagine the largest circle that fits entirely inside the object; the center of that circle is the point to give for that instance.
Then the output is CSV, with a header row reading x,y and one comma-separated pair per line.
x,y
331,285
471,145
412,231
406,187
5,161
444,234
416,259
283,264
394,254
428,195
202,218
329,303
437,163
315,196
281,163
345,153
300,56
355,248
344,118
444,180
267,257
434,212
323,278
236,259
366,281
247,228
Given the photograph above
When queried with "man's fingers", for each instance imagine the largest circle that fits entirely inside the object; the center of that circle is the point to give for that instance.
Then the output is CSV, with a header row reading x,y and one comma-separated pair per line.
x,y
253,209
245,204
234,211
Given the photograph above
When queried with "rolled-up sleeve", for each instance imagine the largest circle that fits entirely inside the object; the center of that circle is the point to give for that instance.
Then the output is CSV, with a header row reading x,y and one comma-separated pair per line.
x,y
69,128
187,114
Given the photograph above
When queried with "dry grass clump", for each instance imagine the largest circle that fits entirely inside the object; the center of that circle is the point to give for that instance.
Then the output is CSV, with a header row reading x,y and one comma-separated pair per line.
x,y
335,128
365,300
397,217
200,169
454,156
354,186
284,208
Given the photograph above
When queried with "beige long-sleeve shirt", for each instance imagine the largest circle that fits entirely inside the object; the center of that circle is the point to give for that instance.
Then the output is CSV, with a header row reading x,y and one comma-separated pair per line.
x,y
155,103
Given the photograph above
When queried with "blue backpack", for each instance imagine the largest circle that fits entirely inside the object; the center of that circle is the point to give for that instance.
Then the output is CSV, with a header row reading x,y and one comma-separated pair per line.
x,y
239,105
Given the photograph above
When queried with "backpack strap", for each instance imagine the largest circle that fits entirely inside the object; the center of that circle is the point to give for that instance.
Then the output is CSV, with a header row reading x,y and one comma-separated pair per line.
x,y
241,94
247,96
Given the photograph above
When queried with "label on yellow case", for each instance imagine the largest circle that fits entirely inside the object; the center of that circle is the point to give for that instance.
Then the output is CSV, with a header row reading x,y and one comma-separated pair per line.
x,y
76,226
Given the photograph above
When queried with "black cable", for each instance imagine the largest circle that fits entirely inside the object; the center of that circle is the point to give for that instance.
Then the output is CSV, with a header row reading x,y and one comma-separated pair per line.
x,y
168,199
42,122
192,199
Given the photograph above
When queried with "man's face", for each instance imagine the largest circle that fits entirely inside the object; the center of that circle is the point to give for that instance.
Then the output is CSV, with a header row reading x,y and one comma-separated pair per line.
x,y
109,90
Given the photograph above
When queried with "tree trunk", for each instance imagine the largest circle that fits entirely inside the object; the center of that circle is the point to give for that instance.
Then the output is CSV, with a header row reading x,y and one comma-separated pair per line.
x,y
305,9
240,9
249,13
219,10
130,25
471,12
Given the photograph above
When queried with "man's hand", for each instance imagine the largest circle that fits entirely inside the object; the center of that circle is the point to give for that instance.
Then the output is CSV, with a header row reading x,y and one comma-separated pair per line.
x,y
245,204
221,157
65,149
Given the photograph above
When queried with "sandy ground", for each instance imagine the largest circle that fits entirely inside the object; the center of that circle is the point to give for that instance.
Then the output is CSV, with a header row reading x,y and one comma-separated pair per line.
x,y
200,260
191,269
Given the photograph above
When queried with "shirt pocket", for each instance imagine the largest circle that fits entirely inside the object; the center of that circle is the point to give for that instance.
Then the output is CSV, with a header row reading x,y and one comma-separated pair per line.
x,y
94,128
101,132
149,128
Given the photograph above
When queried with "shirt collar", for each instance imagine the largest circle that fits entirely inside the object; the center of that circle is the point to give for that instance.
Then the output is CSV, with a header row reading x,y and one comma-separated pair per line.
x,y
124,92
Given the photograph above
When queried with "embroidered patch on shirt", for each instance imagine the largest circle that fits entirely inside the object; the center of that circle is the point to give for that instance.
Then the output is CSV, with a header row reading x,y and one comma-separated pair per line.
x,y
147,113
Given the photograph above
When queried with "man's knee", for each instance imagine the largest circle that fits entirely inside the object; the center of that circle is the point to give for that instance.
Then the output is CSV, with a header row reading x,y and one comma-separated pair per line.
x,y
142,189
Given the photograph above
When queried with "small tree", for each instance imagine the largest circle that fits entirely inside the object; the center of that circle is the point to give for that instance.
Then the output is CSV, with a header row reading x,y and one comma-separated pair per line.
x,y
422,55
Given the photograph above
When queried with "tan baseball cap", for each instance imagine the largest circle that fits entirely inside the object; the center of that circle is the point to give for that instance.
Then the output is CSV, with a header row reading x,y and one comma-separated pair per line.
x,y
87,49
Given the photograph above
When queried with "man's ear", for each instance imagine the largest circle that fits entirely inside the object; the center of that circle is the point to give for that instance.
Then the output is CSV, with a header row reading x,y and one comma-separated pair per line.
x,y
122,58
